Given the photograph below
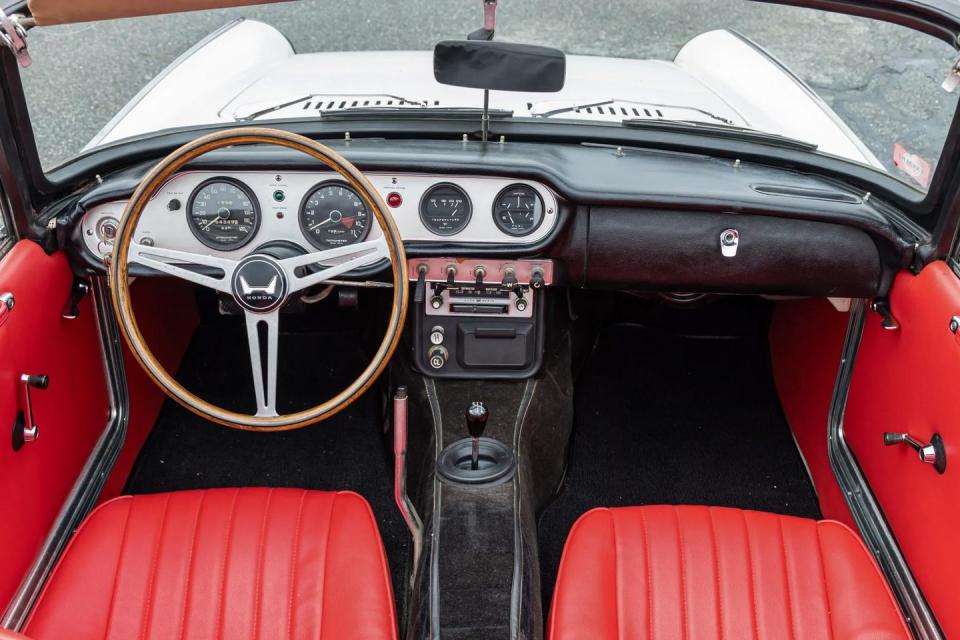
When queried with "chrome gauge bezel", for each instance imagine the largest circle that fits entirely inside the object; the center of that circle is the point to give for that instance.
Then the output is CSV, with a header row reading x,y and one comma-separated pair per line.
x,y
539,202
425,220
192,224
306,198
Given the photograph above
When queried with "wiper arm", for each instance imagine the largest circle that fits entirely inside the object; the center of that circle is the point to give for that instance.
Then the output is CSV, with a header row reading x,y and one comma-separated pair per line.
x,y
254,112
730,131
412,113
606,103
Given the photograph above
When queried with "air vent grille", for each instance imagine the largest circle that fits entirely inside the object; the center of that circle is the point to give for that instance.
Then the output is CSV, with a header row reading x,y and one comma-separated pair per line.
x,y
333,103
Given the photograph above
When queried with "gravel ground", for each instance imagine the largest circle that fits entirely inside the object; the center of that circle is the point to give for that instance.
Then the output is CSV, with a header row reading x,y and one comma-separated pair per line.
x,y
883,80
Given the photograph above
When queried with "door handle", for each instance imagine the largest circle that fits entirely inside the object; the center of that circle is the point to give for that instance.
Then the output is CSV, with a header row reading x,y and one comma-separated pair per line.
x,y
932,453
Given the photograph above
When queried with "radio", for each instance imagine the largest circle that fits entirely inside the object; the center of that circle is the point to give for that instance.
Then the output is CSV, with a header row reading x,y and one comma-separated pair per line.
x,y
479,317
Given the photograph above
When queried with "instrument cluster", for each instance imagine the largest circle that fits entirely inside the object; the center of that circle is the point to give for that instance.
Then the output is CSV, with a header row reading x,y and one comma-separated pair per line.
x,y
205,211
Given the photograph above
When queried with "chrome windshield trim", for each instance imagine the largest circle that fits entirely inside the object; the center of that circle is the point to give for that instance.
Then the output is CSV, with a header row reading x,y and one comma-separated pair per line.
x,y
86,490
863,504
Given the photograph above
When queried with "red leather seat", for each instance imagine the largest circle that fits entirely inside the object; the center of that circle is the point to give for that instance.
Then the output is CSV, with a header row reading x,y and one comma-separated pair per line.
x,y
221,563
703,573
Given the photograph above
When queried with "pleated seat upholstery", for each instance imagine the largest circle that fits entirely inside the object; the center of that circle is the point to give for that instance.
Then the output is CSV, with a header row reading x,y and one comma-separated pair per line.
x,y
225,563
664,572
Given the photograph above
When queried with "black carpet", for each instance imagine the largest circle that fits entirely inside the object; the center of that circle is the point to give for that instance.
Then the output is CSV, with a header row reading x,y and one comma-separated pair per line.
x,y
667,419
347,451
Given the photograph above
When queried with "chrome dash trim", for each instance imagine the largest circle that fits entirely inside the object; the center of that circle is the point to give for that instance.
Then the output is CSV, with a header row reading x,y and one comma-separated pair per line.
x,y
86,490
863,504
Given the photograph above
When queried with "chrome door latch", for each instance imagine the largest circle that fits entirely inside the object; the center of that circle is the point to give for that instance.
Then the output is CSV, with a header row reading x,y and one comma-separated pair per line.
x,y
25,428
932,453
729,242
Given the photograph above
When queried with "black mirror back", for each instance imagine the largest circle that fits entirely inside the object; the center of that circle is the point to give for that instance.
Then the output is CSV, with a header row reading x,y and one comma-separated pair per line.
x,y
499,66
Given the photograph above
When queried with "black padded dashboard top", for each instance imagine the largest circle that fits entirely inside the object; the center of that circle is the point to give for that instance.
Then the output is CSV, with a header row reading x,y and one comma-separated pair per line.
x,y
630,180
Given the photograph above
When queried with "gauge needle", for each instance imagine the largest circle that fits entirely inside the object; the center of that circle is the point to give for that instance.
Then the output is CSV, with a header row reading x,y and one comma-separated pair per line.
x,y
210,224
320,224
510,216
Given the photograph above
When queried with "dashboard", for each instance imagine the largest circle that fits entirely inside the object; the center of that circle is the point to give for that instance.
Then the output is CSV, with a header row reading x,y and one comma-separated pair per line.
x,y
233,212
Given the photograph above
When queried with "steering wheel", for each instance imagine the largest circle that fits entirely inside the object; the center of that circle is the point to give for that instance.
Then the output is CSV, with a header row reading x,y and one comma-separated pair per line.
x,y
259,283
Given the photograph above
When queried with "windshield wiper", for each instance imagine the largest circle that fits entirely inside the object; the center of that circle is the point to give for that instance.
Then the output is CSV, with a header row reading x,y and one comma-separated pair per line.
x,y
252,112
731,131
413,113
619,101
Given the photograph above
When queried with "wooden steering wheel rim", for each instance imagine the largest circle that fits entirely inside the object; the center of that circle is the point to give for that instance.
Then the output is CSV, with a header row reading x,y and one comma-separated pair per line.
x,y
120,288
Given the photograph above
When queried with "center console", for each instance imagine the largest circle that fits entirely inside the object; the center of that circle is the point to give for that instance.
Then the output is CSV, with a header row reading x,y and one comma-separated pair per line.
x,y
479,318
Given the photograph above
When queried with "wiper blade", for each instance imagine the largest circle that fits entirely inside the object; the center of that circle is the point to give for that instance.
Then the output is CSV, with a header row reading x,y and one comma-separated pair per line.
x,y
412,113
731,131
538,113
246,113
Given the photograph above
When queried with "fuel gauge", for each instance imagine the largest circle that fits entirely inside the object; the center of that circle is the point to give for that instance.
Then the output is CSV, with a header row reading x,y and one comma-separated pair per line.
x,y
518,210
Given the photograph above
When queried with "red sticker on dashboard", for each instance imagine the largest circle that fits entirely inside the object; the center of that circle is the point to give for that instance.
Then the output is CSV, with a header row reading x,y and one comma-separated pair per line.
x,y
912,165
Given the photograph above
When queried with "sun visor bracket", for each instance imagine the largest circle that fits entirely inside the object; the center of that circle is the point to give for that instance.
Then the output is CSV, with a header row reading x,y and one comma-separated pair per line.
x,y
13,35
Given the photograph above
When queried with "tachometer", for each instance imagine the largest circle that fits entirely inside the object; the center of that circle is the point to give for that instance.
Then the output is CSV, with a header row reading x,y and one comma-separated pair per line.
x,y
333,215
445,209
518,210
223,213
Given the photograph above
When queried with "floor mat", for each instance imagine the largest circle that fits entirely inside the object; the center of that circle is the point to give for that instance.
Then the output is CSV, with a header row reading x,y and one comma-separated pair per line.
x,y
347,451
667,419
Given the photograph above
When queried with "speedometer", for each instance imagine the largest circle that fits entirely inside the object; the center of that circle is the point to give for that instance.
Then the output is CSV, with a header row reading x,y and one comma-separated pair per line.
x,y
445,209
333,215
223,213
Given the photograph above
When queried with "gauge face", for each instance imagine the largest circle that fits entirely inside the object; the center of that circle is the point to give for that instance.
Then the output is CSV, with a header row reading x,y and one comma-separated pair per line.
x,y
223,213
445,209
334,215
518,210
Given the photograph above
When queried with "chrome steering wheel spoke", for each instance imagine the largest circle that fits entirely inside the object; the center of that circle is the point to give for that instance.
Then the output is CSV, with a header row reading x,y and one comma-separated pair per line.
x,y
263,330
357,255
176,263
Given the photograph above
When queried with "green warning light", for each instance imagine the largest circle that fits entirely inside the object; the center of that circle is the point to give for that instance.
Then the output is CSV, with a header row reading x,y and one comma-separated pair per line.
x,y
279,195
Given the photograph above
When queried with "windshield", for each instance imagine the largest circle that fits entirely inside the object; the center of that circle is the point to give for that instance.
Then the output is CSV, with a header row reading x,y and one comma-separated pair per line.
x,y
861,90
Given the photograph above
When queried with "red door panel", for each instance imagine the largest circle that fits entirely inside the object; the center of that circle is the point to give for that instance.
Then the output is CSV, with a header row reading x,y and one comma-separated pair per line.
x,y
71,413
909,380
806,340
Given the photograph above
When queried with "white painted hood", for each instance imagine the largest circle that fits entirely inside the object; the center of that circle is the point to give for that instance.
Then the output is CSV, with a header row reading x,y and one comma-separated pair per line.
x,y
249,68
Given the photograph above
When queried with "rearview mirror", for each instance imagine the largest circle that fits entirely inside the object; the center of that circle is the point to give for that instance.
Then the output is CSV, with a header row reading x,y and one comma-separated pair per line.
x,y
499,66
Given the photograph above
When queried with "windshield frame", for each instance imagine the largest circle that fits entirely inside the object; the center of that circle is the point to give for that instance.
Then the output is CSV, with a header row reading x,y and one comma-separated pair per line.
x,y
932,17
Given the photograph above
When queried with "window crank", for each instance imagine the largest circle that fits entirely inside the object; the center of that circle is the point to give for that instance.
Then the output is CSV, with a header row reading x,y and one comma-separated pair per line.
x,y
25,429
932,453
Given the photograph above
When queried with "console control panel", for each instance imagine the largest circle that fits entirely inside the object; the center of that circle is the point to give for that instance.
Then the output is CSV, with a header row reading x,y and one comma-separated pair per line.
x,y
479,317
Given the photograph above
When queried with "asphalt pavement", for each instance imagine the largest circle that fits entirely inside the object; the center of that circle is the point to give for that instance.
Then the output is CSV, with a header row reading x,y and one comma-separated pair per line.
x,y
883,80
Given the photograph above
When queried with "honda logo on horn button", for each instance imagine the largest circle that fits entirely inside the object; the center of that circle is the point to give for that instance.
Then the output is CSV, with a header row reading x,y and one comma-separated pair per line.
x,y
259,284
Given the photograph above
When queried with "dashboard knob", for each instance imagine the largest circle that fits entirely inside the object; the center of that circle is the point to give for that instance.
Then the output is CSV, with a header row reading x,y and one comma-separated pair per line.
x,y
536,279
436,302
521,304
436,335
437,357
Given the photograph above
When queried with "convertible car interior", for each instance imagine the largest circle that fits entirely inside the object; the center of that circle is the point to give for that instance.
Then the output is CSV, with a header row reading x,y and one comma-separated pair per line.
x,y
514,361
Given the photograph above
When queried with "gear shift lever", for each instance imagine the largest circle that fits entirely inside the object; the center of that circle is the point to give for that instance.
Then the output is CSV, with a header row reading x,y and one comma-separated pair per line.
x,y
476,422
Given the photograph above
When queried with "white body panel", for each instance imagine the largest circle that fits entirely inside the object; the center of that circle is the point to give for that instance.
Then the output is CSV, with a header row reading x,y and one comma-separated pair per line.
x,y
249,66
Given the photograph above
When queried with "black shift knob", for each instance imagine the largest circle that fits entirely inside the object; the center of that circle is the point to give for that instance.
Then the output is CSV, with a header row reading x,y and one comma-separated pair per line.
x,y
476,419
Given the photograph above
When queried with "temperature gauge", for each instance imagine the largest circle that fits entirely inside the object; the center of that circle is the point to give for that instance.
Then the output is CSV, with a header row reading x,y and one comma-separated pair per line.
x,y
445,209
